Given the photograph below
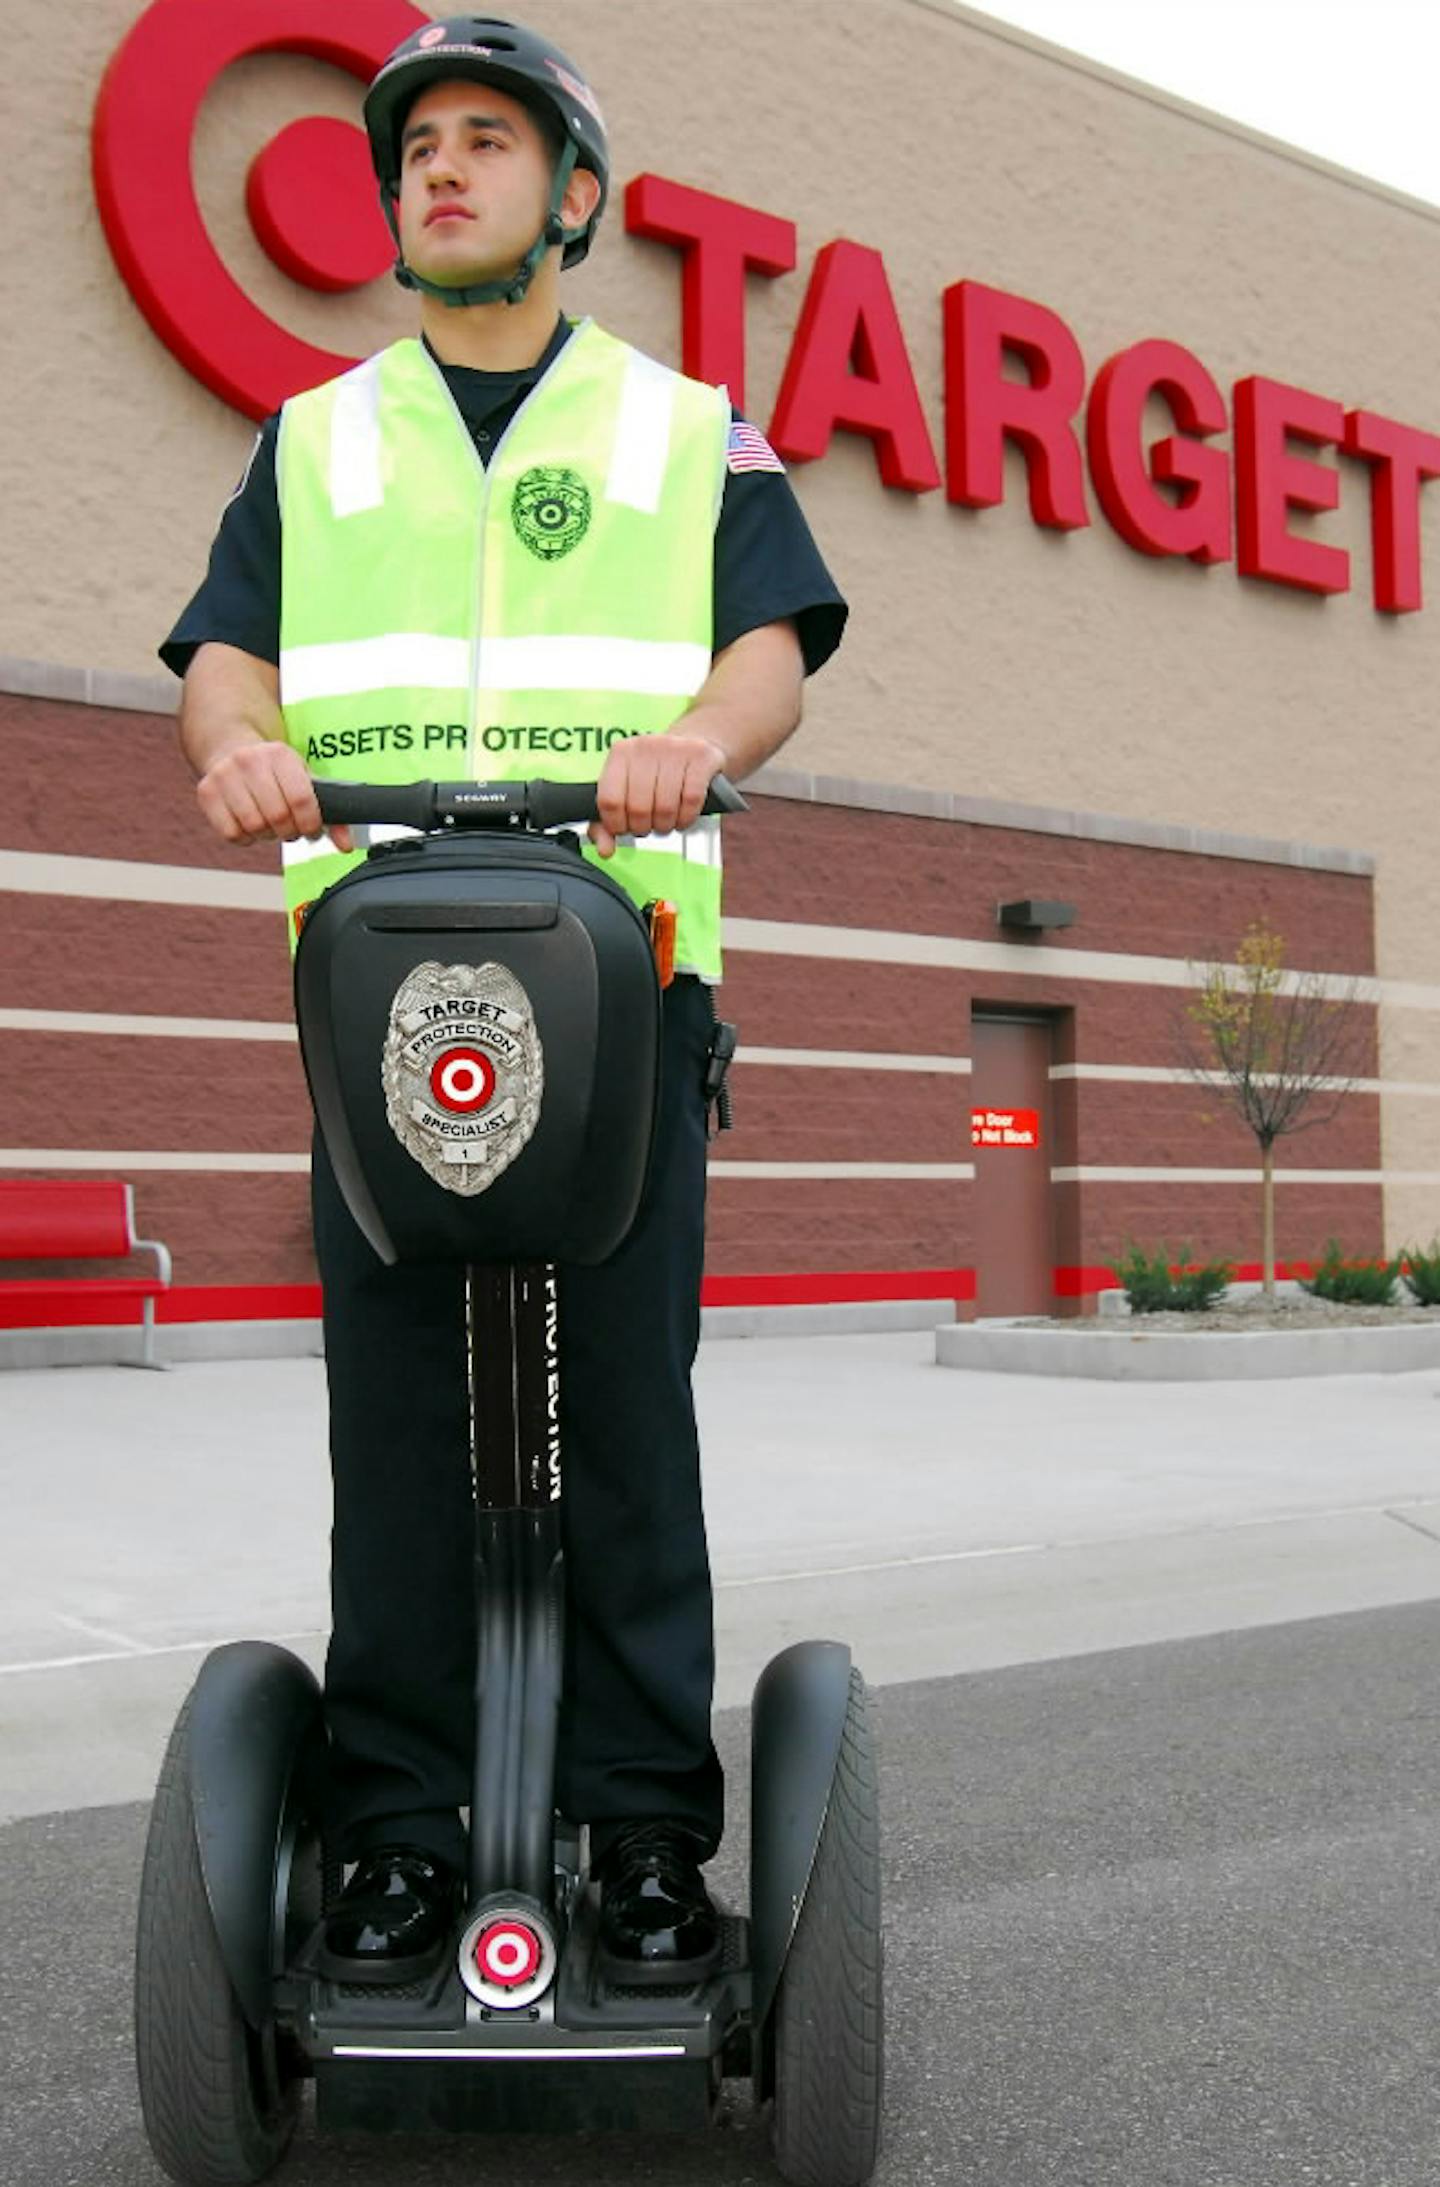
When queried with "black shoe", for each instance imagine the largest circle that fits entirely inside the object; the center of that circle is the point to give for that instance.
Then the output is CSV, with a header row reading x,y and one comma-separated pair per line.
x,y
657,1924
392,1922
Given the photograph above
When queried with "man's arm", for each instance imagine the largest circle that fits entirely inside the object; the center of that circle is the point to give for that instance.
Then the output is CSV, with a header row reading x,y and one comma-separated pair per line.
x,y
747,706
253,787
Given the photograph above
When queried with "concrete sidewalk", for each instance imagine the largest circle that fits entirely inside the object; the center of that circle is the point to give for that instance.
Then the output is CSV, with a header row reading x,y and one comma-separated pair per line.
x,y
941,1522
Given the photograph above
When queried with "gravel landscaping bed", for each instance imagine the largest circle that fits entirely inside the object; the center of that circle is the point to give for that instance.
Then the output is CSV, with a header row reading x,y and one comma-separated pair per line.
x,y
1245,1318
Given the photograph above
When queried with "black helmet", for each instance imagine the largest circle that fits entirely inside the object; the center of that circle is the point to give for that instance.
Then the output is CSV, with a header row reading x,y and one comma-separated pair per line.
x,y
514,60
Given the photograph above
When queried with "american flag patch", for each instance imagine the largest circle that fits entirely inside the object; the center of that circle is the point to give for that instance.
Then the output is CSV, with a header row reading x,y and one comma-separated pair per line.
x,y
749,450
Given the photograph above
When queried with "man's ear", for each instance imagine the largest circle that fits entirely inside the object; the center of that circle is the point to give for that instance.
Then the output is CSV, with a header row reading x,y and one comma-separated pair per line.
x,y
582,195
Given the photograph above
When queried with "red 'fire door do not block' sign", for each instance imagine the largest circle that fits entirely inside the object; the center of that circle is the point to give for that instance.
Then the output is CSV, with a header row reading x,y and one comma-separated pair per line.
x,y
1004,1127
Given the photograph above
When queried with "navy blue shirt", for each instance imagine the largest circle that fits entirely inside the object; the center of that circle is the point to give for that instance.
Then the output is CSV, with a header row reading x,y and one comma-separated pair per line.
x,y
767,566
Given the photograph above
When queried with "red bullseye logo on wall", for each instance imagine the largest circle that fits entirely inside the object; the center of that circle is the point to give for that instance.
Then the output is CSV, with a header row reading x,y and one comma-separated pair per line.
x,y
310,193
462,1081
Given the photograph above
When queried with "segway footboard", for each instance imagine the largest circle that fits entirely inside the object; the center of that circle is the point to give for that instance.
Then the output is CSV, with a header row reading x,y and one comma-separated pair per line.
x,y
585,2056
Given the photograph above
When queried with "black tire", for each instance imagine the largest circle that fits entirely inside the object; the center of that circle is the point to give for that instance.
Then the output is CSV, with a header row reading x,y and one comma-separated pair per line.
x,y
829,2065
219,2110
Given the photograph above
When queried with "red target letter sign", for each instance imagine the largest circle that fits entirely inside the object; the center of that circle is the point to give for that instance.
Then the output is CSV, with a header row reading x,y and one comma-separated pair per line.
x,y
1196,520
1401,458
984,407
848,368
722,242
1270,482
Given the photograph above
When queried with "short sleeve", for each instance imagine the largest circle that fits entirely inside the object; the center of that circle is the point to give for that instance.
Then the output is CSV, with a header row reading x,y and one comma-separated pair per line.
x,y
768,568
239,601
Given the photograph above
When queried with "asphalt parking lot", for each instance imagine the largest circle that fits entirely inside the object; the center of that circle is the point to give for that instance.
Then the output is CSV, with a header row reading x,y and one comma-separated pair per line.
x,y
1161,1748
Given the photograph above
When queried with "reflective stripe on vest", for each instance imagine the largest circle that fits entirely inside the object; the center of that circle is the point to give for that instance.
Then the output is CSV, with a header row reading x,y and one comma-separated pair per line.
x,y
441,620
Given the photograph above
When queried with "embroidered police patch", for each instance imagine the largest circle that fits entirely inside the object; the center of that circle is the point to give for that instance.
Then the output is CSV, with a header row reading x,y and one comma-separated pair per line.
x,y
550,510
463,1072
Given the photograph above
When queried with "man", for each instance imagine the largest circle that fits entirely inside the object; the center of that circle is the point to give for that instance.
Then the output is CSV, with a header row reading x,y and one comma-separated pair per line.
x,y
381,605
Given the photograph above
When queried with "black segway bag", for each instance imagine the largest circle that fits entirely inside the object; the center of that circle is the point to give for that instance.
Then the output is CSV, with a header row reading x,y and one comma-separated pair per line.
x,y
480,1025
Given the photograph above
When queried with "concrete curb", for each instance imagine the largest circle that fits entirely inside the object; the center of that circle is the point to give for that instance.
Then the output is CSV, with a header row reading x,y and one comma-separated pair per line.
x,y
858,1317
1207,1355
180,1343
177,1344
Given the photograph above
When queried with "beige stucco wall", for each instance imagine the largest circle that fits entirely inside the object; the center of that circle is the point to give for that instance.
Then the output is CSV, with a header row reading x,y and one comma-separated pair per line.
x,y
985,655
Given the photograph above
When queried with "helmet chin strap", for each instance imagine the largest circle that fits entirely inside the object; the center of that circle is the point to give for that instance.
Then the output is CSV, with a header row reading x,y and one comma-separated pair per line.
x,y
510,288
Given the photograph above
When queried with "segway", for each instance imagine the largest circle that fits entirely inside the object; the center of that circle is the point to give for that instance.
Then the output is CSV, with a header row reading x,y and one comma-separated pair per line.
x,y
479,1011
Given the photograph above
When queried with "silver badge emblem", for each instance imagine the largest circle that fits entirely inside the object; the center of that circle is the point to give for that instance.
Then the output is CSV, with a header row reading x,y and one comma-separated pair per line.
x,y
463,1072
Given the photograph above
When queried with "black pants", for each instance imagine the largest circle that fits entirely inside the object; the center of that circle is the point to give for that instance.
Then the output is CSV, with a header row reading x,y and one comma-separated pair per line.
x,y
639,1649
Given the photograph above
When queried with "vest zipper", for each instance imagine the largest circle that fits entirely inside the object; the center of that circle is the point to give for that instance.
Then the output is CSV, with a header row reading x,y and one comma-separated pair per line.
x,y
577,330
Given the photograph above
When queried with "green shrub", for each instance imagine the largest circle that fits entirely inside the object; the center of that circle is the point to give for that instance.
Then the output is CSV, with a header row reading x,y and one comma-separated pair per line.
x,y
1169,1283
1422,1273
1353,1282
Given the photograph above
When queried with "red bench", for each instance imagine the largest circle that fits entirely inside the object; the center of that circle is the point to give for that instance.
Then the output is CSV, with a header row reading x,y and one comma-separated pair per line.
x,y
74,1219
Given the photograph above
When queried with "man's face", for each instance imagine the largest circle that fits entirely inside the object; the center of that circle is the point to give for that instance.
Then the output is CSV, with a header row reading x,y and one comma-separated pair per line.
x,y
475,176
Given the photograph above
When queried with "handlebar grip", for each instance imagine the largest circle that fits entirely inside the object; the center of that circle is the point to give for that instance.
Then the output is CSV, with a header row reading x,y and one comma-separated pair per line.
x,y
559,804
397,804
562,804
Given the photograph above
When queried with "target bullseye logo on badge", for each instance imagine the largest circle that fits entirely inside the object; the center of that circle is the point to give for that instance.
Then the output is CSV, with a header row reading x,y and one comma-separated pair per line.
x,y
462,1081
463,1071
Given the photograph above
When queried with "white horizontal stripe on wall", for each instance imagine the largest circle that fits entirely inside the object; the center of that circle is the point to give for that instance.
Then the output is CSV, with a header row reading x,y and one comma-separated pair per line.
x,y
849,1059
152,1158
1145,1074
101,1021
874,945
125,1158
119,1025
1087,1174
129,881
898,1170
133,881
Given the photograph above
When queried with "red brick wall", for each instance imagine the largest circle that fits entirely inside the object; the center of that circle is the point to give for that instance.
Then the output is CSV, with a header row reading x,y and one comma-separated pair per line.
x,y
100,784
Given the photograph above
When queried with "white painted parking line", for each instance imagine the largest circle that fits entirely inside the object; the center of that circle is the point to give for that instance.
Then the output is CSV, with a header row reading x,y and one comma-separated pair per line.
x,y
884,1564
141,1654
121,1641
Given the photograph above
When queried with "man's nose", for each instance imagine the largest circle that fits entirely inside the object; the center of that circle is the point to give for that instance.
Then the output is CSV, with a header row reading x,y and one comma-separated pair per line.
x,y
443,170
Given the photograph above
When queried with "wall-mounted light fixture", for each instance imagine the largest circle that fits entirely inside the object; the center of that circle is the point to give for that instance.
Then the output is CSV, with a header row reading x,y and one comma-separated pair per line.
x,y
1032,914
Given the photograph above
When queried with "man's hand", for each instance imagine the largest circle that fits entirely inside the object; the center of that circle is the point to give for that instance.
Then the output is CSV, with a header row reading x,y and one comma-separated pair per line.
x,y
651,785
746,708
253,787
261,793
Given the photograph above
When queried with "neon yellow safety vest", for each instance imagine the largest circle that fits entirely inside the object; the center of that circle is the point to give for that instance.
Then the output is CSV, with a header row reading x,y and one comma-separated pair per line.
x,y
441,620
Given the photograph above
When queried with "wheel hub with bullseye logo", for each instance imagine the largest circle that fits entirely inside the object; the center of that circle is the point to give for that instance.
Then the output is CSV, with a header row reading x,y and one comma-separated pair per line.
x,y
507,1955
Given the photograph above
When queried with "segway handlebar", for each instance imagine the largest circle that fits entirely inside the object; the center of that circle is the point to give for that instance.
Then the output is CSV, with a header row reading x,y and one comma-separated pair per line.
x,y
429,806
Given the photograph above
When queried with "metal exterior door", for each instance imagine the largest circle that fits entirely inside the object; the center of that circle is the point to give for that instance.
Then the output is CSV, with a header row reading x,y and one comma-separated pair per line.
x,y
1011,1150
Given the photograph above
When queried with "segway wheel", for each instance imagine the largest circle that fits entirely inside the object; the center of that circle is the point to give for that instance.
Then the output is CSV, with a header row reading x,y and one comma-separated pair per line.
x,y
219,2108
829,2008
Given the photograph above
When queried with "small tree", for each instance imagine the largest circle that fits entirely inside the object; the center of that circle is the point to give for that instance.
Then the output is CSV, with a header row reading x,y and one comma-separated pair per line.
x,y
1281,1048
